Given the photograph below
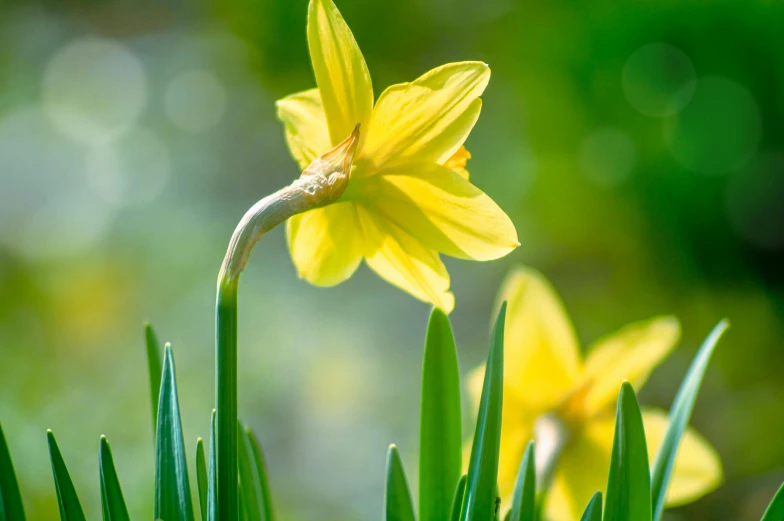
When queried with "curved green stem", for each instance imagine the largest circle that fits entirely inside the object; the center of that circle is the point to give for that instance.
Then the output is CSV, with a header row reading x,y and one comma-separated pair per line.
x,y
322,183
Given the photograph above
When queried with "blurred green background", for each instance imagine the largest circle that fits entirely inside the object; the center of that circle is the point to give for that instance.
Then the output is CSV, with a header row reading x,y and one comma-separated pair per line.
x,y
638,147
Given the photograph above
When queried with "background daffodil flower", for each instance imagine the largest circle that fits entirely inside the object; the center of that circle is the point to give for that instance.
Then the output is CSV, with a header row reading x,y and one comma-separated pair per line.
x,y
551,392
408,198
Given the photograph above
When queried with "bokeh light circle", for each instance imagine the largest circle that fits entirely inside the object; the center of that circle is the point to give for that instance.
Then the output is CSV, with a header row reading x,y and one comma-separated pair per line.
x,y
719,131
195,100
658,79
607,156
131,171
755,202
94,90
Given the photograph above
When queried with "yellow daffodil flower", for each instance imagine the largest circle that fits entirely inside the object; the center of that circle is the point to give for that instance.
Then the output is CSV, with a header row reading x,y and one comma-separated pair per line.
x,y
408,198
567,403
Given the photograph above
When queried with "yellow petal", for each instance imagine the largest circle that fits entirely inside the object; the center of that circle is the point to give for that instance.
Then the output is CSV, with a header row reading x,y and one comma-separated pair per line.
x,y
697,469
541,359
429,118
341,73
303,118
325,243
629,354
458,162
402,261
582,470
440,209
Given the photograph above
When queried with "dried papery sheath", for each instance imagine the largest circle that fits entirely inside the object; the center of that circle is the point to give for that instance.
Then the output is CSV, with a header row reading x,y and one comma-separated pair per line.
x,y
321,183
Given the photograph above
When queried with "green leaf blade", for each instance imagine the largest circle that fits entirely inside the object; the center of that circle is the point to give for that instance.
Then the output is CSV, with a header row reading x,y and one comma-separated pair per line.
x,y
201,477
524,498
440,440
268,513
112,500
154,369
250,484
172,487
212,472
593,512
775,510
11,507
680,414
67,499
629,481
480,495
457,501
398,497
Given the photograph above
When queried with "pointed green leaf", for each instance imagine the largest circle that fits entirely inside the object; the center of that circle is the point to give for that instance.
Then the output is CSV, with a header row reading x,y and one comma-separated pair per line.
x,y
480,495
250,483
11,508
775,510
457,501
261,471
629,482
593,511
172,488
201,477
112,500
70,507
440,437
212,478
398,498
524,499
680,413
154,368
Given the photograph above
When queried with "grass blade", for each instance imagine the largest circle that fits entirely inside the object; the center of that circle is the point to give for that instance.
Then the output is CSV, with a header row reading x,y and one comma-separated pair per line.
x,y
775,510
250,486
440,436
112,500
212,477
201,477
11,508
680,413
172,488
524,499
480,495
629,482
261,470
70,507
457,501
154,368
593,512
398,497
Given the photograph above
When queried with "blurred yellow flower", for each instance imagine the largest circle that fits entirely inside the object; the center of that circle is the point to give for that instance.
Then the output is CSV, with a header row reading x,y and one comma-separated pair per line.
x,y
567,404
408,198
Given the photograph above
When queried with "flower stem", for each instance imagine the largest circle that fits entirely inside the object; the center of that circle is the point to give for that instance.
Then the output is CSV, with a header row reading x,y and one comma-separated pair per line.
x,y
551,435
322,183
226,399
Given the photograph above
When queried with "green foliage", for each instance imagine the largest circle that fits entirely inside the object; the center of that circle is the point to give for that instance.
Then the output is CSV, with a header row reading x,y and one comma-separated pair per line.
x,y
201,477
154,369
112,500
775,510
457,501
11,508
680,412
70,507
629,482
440,438
524,499
632,494
172,487
479,502
398,497
593,511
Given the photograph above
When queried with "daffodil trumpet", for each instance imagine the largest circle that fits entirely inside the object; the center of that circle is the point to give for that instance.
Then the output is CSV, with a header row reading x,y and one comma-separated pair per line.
x,y
321,183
